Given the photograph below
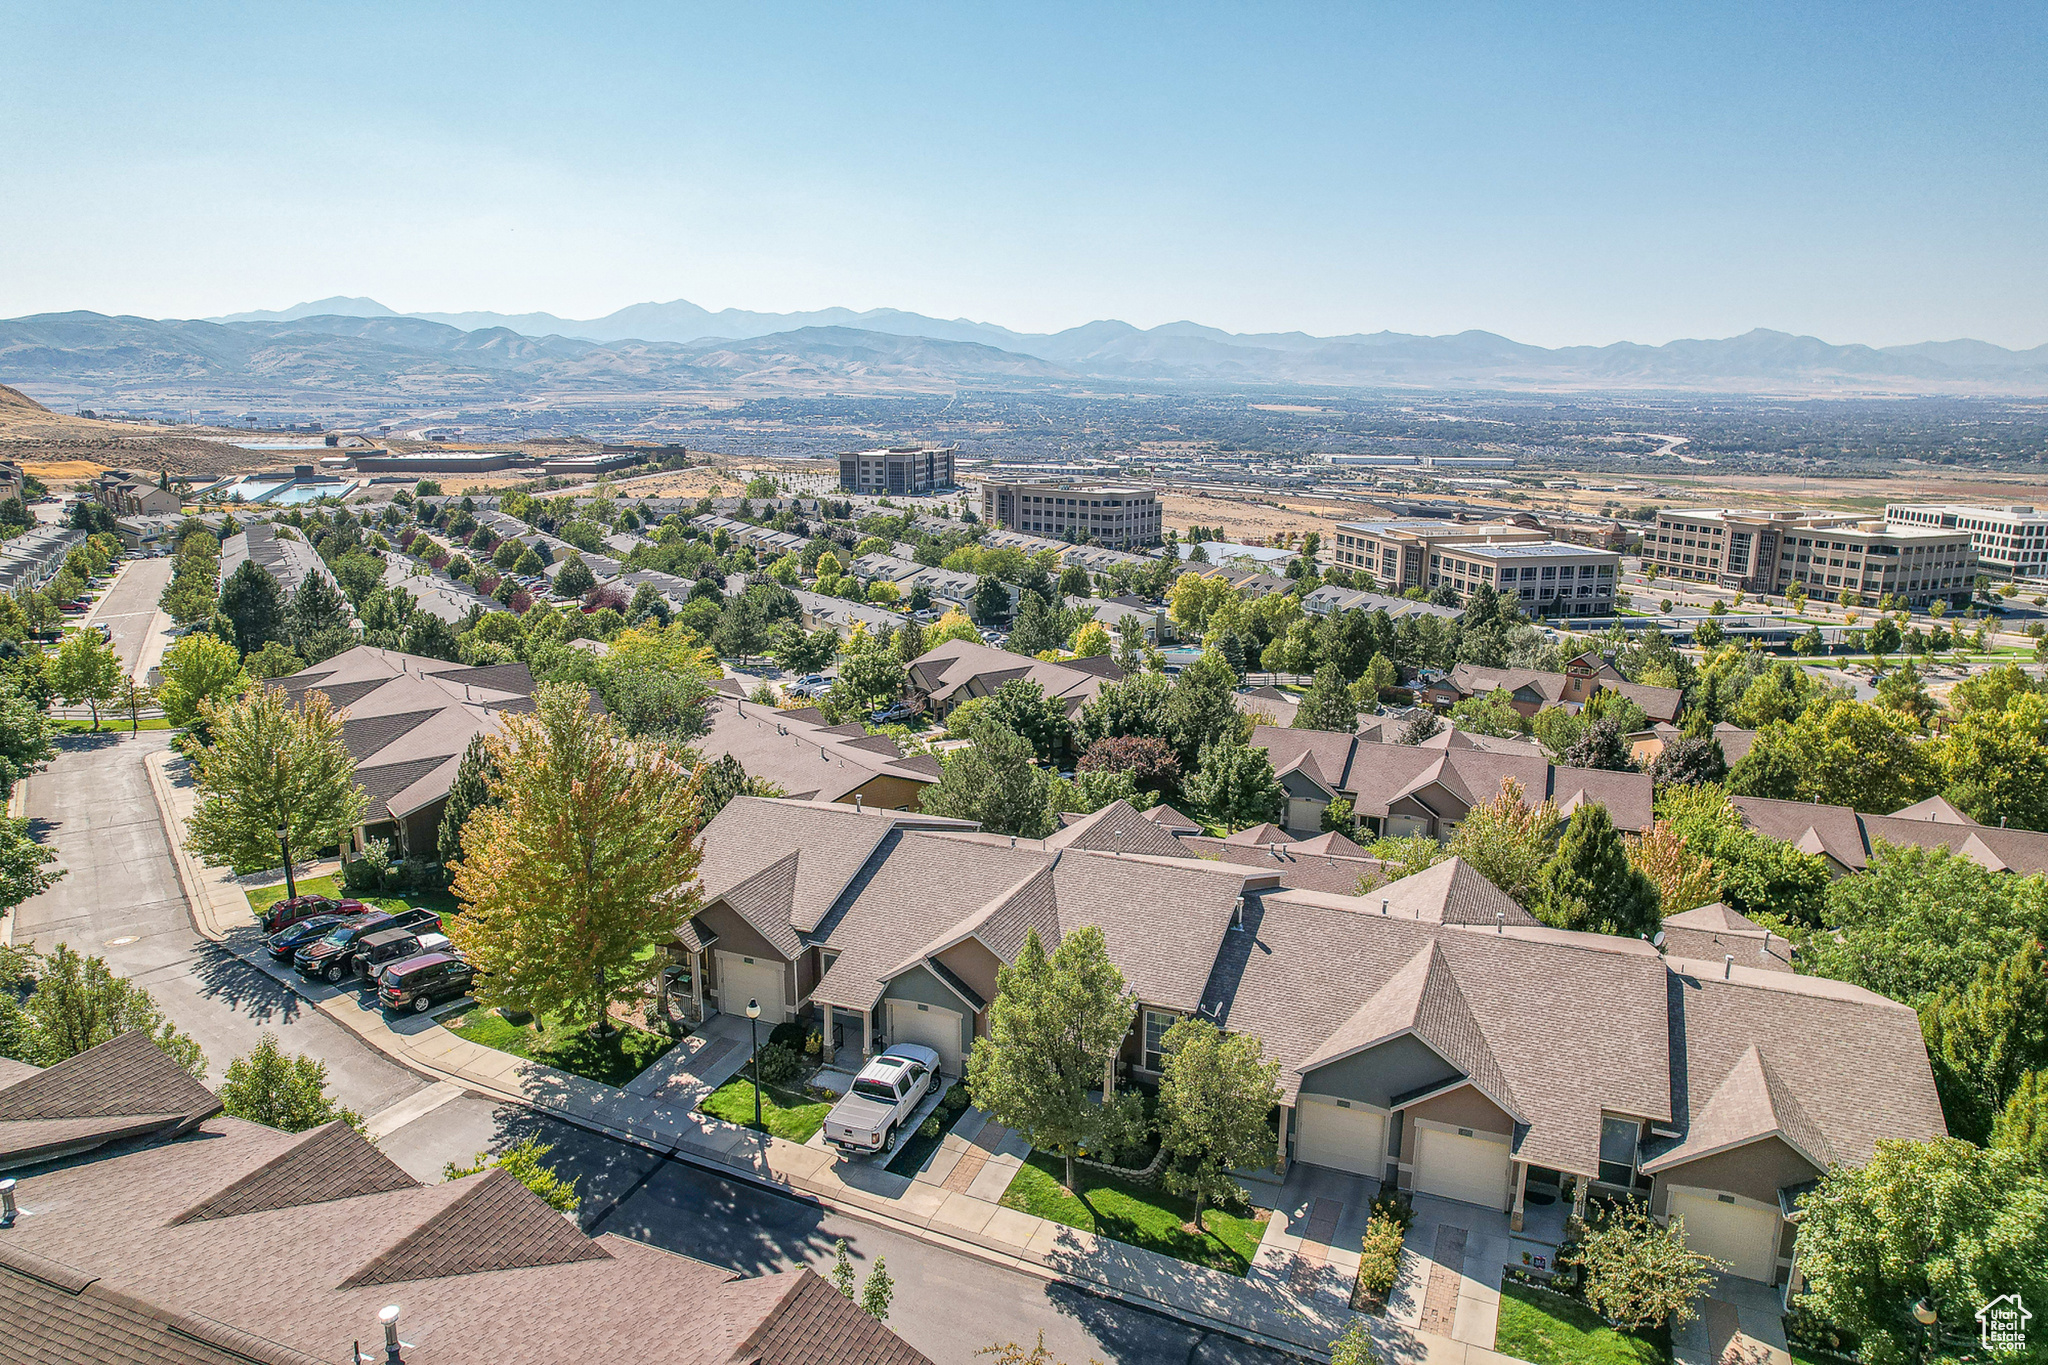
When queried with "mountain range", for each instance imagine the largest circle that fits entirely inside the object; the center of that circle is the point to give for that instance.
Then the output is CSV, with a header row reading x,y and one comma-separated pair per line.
x,y
358,347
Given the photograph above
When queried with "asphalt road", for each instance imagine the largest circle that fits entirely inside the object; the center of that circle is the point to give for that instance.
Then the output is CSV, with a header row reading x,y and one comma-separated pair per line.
x,y
120,899
130,606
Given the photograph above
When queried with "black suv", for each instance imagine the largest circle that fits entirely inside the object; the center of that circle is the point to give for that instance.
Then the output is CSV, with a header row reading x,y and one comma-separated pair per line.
x,y
417,982
334,954
286,942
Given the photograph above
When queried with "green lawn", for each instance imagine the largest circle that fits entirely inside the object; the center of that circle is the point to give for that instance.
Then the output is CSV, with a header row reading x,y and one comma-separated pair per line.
x,y
1545,1328
1138,1214
440,902
563,1044
784,1113
108,723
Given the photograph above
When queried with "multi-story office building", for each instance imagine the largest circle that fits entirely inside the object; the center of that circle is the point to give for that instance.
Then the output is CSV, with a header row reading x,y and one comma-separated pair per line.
x,y
1548,577
1827,553
2009,540
899,469
1121,516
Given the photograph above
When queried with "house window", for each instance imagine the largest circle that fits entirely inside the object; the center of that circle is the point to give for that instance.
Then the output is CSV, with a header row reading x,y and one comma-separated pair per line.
x,y
1618,1151
1157,1022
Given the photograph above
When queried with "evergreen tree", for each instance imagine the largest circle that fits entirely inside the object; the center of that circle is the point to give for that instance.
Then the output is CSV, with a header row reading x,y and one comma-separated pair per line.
x,y
317,622
994,781
991,602
1590,884
1034,629
470,789
1328,704
1203,707
574,578
2022,1126
1985,1039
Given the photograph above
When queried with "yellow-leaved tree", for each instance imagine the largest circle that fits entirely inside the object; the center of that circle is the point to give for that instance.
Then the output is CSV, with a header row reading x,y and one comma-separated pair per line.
x,y
585,858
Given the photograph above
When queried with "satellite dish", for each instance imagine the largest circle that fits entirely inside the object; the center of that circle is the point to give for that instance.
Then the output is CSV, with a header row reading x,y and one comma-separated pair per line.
x,y
1658,942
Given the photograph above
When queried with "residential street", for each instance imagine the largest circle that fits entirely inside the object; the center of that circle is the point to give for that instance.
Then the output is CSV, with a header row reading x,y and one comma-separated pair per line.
x,y
121,899
128,611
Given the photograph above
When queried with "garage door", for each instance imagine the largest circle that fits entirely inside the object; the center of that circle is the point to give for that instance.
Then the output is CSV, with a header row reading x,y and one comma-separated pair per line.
x,y
741,979
1453,1166
1346,1139
1742,1236
938,1029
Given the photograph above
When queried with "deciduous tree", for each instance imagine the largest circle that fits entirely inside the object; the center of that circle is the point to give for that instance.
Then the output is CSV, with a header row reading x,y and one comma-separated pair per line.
x,y
587,860
197,670
278,1090
1941,1222
86,672
272,765
1234,785
1685,878
1214,1097
526,1162
1639,1273
1984,1038
1508,841
1054,1027
79,1003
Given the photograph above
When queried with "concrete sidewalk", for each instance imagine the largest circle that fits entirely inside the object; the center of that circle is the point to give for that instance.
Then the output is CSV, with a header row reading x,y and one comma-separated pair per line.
x,y
955,1201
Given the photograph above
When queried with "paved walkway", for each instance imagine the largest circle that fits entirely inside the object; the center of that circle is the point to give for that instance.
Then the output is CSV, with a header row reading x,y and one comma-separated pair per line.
x,y
955,1201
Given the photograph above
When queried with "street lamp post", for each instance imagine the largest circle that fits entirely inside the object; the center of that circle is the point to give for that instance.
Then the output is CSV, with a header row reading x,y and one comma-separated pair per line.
x,y
754,1032
284,847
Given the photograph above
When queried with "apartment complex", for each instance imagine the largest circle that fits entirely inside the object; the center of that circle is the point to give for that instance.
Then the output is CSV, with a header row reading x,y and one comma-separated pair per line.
x,y
128,495
1548,577
899,469
2010,540
1829,553
1121,516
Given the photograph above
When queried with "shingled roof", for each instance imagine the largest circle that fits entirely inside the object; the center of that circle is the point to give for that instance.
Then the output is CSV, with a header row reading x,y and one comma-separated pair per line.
x,y
960,669
204,1249
800,753
123,1088
1849,838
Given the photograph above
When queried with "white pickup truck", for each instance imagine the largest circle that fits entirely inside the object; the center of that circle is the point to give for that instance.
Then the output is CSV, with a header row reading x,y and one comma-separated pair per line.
x,y
884,1096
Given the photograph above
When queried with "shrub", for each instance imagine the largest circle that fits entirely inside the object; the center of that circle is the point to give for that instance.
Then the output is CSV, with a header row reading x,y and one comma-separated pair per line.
x,y
1379,1261
790,1035
779,1065
929,1128
365,875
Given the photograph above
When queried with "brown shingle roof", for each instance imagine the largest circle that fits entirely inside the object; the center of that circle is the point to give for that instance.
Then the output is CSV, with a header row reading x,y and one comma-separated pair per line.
x,y
809,1326
331,1162
496,1224
1117,828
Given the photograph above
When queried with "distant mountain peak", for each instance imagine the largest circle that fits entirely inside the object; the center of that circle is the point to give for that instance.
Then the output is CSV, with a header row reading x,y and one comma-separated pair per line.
x,y
339,306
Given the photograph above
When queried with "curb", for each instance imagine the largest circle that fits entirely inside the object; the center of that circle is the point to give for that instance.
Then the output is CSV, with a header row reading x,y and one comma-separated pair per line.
x,y
739,1165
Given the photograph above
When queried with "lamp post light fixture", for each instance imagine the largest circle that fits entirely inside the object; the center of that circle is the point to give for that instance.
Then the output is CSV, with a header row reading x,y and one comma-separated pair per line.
x,y
284,848
1924,1314
754,1032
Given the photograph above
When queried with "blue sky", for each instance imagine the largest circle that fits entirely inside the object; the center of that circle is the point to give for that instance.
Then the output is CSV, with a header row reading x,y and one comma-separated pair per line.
x,y
1559,174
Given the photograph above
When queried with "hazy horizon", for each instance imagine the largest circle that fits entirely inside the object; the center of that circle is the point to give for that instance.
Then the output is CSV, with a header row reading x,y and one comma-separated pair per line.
x,y
1861,174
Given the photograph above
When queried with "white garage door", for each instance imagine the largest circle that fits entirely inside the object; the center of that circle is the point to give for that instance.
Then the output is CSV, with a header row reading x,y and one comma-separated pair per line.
x,y
1346,1139
1742,1236
741,979
938,1029
1452,1166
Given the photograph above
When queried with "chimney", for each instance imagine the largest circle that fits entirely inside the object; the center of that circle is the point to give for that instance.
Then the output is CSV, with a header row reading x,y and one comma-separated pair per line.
x,y
1728,965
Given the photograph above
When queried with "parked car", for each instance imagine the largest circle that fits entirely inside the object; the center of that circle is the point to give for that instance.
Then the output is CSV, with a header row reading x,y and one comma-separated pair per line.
x,y
333,955
386,946
884,1095
276,917
902,710
417,982
809,685
286,942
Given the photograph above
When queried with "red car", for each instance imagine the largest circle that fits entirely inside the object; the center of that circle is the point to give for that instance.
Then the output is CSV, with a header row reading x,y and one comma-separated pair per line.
x,y
289,912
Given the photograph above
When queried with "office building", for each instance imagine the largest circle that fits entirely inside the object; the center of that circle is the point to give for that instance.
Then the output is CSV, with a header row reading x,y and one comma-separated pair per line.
x,y
1827,553
1121,516
2008,540
905,470
1548,577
